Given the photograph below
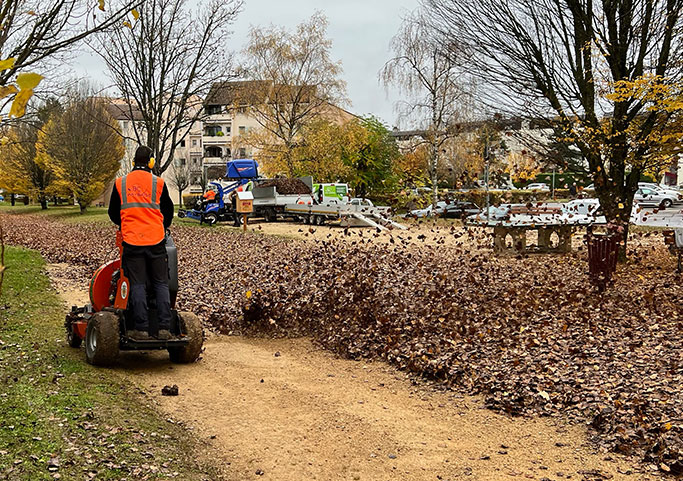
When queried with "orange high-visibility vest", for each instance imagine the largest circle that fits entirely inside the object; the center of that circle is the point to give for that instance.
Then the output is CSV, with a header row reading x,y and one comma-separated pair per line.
x,y
142,223
210,195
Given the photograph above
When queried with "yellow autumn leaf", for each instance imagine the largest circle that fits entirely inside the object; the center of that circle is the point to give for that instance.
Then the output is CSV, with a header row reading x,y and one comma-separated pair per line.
x,y
135,13
19,103
7,91
28,80
126,23
31,12
667,427
102,5
248,294
7,63
621,206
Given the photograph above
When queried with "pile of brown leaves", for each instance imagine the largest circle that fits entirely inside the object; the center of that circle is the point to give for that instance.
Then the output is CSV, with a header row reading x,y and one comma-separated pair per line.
x,y
530,334
287,186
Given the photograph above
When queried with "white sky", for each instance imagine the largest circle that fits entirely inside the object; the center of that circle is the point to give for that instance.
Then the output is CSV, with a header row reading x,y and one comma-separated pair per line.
x,y
361,31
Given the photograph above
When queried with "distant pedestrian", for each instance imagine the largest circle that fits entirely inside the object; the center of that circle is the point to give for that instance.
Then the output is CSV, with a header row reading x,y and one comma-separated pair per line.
x,y
572,190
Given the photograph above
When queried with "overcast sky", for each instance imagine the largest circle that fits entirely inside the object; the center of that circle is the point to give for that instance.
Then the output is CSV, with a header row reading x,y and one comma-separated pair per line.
x,y
361,31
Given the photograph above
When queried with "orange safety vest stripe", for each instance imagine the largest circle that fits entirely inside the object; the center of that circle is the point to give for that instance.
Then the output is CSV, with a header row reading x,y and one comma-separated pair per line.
x,y
142,223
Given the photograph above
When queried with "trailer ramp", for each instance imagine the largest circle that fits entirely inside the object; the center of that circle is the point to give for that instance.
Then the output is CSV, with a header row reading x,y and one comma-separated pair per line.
x,y
389,222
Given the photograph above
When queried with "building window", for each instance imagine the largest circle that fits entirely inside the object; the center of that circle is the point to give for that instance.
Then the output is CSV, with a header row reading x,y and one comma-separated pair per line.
x,y
182,143
213,130
213,109
194,142
243,130
125,125
227,129
243,152
213,152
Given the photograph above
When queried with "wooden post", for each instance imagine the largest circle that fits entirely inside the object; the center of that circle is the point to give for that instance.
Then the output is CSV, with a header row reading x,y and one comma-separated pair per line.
x,y
244,223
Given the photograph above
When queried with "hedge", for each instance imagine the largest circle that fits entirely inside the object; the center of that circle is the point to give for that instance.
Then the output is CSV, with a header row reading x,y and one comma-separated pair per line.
x,y
189,200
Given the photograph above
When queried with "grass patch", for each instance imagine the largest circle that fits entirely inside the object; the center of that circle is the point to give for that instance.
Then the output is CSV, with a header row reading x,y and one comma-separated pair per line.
x,y
63,419
64,213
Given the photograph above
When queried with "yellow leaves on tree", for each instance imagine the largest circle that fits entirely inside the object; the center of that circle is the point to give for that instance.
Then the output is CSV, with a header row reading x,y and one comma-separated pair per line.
x,y
26,82
522,167
83,149
7,63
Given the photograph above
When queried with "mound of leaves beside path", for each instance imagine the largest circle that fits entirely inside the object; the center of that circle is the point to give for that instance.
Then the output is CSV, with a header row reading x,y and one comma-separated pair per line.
x,y
529,334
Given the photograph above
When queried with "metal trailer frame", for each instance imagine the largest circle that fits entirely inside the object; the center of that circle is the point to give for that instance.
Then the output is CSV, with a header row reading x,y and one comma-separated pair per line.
x,y
349,215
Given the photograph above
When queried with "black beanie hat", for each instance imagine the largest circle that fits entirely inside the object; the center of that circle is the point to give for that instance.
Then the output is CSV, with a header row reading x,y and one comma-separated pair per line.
x,y
142,155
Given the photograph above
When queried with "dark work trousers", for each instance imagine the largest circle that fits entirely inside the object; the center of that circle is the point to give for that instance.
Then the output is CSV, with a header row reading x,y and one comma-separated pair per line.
x,y
140,264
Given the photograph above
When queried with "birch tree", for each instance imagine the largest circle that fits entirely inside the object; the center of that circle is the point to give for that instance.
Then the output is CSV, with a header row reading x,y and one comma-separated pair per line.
x,y
430,76
294,80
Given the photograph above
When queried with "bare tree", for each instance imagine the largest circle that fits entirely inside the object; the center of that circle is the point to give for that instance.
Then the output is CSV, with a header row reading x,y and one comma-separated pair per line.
x,y
430,75
165,63
607,70
294,80
34,31
181,178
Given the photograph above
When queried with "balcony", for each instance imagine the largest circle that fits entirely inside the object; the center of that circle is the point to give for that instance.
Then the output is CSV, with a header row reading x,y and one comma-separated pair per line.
x,y
214,161
216,140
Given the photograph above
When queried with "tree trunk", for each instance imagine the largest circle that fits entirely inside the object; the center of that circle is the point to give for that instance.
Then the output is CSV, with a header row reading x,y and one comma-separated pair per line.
x,y
83,207
43,202
180,197
434,161
12,199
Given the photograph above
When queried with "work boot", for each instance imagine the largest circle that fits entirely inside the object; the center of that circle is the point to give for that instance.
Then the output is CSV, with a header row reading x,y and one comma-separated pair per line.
x,y
138,335
164,335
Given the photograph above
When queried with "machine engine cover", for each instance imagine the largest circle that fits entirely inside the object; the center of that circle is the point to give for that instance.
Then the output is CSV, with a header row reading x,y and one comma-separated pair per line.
x,y
100,285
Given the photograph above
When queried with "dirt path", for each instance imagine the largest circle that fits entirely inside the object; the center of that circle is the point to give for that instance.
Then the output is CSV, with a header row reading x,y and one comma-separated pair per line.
x,y
285,410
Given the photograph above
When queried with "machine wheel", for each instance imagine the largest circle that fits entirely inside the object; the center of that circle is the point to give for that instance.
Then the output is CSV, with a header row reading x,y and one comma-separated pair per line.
x,y
211,218
666,203
193,328
239,220
181,214
71,338
271,215
102,339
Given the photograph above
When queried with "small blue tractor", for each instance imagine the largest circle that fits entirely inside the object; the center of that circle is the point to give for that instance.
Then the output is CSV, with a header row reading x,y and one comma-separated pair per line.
x,y
221,209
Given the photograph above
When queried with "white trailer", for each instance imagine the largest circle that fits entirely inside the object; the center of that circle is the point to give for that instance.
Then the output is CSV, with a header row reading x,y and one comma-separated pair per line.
x,y
269,203
348,214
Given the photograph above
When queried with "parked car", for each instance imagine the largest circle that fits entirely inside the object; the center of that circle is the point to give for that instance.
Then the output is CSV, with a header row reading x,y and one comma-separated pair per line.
x,y
460,210
2,198
501,212
427,211
538,186
660,188
651,197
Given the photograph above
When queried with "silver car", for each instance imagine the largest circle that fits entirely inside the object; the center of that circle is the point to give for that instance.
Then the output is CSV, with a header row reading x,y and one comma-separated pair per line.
x,y
650,197
427,211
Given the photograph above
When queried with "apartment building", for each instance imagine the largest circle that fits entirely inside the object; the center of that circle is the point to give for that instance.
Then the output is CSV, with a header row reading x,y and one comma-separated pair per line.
x,y
229,119
188,153
212,141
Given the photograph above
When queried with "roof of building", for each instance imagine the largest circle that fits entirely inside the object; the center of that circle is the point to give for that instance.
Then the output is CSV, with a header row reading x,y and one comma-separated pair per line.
x,y
252,92
237,92
122,110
